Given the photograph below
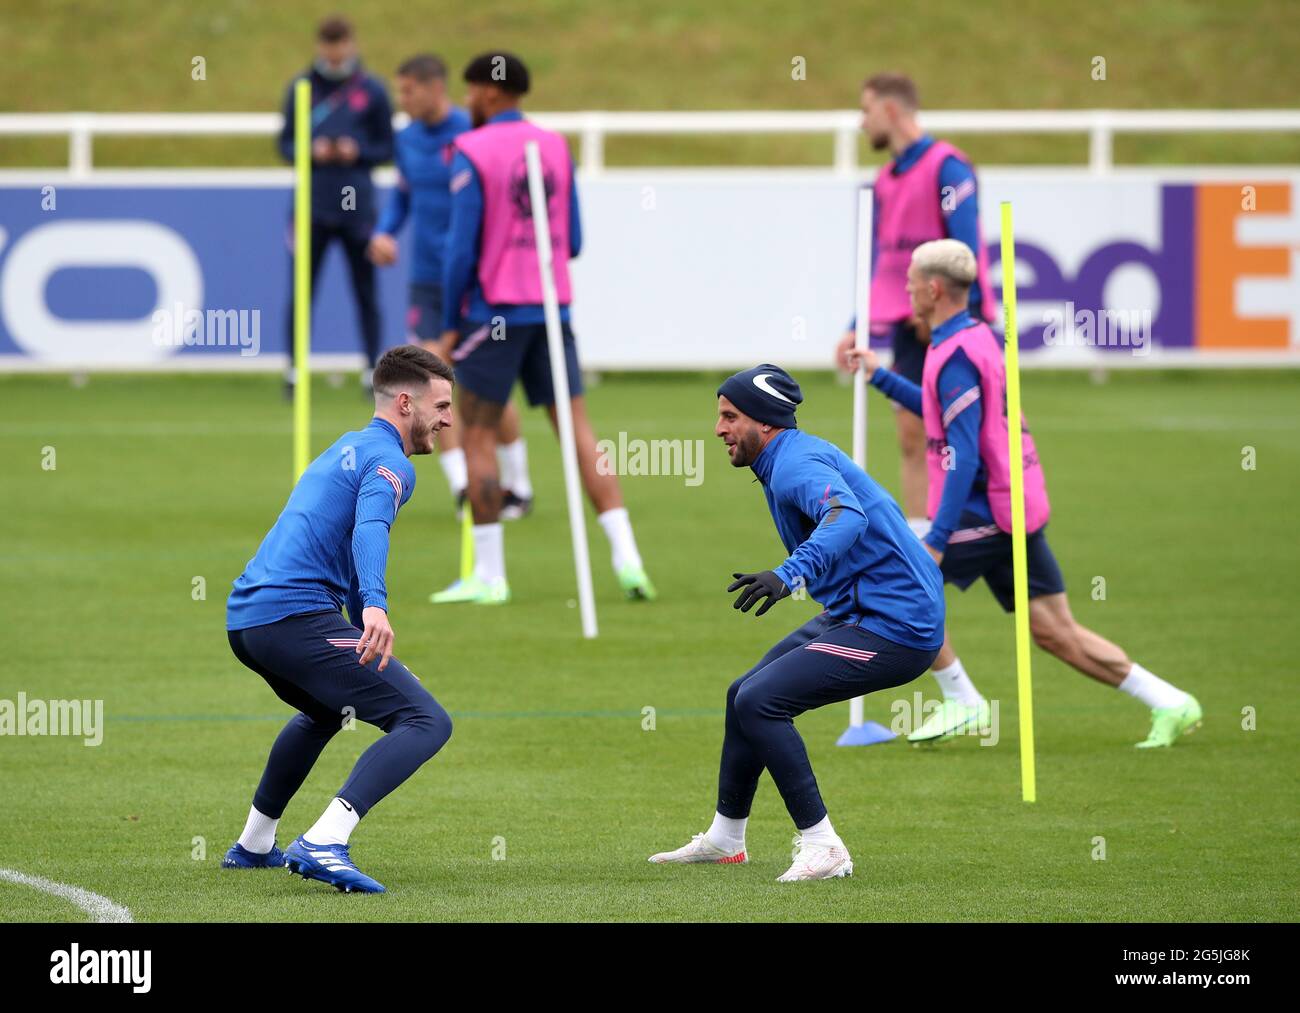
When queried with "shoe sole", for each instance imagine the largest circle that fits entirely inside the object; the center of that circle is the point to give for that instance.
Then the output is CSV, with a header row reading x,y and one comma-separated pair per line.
x,y
844,872
1186,731
299,869
944,736
949,734
740,859
236,865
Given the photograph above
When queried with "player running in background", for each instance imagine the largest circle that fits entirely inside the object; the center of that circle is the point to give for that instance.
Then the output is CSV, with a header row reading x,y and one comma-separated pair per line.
x,y
423,159
352,132
962,399
926,191
329,548
492,269
851,550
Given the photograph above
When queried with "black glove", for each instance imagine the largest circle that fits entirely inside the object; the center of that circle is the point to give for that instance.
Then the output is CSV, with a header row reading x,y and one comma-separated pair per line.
x,y
758,585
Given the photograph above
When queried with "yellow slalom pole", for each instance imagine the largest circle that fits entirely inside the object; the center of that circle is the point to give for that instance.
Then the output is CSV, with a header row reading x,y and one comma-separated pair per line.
x,y
467,542
301,276
1024,680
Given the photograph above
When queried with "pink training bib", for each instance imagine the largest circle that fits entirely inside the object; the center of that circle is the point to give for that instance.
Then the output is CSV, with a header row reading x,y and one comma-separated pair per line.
x,y
908,213
982,348
508,264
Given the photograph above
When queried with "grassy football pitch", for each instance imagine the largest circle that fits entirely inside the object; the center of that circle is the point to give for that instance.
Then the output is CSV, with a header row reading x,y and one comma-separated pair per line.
x,y
552,792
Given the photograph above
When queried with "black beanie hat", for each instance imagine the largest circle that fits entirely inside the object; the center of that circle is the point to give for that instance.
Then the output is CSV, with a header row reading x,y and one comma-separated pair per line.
x,y
765,393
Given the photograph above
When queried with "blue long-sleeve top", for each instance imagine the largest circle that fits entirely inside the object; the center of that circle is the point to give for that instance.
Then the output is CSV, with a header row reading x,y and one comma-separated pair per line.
x,y
965,486
850,547
460,273
355,107
423,159
958,203
329,546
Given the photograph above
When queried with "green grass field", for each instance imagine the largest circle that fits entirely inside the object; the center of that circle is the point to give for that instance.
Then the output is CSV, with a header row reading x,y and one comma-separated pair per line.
x,y
162,479
137,56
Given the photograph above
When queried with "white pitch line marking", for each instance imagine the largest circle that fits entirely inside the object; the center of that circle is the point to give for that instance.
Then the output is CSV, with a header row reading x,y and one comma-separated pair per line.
x,y
100,909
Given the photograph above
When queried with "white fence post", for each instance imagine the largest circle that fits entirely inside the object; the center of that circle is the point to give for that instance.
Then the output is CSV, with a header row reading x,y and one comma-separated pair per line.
x,y
846,151
80,146
1101,156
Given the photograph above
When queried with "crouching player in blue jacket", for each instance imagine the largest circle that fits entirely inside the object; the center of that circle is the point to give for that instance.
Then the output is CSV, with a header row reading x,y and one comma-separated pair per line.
x,y
850,550
329,548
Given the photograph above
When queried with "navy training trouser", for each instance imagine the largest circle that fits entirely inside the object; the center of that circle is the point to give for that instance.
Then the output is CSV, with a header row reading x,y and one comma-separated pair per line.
x,y
823,661
310,661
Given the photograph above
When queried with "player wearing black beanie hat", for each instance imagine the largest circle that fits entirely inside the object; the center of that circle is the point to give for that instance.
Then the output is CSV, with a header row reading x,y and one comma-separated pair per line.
x,y
851,551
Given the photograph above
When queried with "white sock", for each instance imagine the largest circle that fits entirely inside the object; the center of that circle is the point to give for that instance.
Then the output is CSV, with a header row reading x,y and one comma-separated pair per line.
x,y
822,834
335,825
259,832
622,544
727,834
453,466
1151,689
503,467
514,468
956,684
920,526
489,551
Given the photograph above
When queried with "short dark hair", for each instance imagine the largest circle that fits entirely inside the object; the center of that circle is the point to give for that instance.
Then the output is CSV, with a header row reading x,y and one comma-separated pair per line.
x,y
423,67
505,70
334,28
890,84
411,364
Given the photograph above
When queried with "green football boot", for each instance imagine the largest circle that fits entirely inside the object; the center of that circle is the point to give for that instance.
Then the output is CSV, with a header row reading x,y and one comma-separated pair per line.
x,y
636,584
473,590
952,718
1167,723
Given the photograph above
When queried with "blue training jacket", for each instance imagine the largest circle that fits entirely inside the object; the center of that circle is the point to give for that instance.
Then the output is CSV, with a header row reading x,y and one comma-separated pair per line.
x,y
329,546
849,545
423,160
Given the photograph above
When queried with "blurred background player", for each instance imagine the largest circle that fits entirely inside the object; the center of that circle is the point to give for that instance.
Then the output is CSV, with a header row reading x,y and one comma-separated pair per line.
x,y
352,132
851,551
423,159
328,549
962,399
492,270
926,191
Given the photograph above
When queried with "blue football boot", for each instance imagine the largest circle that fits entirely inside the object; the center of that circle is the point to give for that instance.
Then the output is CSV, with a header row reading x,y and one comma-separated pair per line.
x,y
330,864
239,857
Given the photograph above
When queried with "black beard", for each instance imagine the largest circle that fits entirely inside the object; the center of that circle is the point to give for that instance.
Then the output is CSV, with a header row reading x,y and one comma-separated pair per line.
x,y
746,452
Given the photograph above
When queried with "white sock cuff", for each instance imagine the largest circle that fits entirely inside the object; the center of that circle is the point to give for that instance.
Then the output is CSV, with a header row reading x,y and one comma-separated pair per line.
x,y
1150,689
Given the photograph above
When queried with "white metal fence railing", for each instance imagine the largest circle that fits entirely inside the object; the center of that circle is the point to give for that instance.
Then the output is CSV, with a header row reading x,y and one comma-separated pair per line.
x,y
592,128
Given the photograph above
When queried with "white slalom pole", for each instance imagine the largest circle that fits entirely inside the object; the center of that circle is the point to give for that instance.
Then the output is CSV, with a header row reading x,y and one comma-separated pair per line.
x,y
862,304
860,731
560,383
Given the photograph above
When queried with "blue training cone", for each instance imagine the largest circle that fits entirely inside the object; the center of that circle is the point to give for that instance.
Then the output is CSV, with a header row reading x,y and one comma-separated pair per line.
x,y
869,733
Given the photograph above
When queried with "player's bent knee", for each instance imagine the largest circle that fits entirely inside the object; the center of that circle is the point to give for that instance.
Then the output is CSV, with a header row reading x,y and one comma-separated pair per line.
x,y
732,690
316,725
751,705
436,725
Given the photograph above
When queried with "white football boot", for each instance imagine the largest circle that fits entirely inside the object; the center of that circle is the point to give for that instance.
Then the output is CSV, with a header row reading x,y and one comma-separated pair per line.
x,y
817,861
701,849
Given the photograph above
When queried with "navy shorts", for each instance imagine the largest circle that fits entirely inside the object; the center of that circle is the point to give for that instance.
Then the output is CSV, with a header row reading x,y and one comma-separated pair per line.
x,y
909,352
424,312
489,360
310,662
990,557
